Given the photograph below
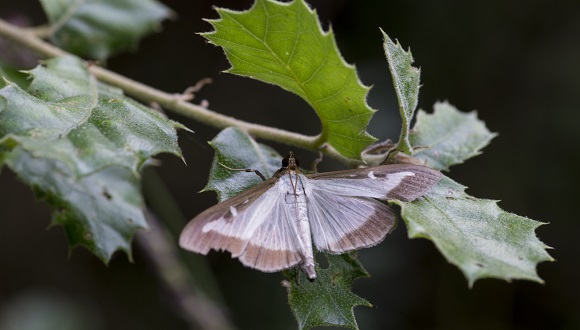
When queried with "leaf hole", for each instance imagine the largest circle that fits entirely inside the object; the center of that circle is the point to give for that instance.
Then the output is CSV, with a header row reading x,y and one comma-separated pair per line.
x,y
321,261
479,264
107,194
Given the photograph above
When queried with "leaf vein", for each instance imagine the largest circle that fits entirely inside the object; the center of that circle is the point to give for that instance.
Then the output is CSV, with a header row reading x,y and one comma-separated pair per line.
x,y
347,136
338,91
345,119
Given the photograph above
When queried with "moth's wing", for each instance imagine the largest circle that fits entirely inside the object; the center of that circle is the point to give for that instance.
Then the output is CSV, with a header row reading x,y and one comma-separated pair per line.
x,y
230,224
343,212
400,181
275,244
342,223
245,225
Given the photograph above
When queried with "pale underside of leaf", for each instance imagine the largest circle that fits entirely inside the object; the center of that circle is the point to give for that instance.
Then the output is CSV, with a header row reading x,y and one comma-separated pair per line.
x,y
100,211
406,80
448,137
475,234
80,145
67,116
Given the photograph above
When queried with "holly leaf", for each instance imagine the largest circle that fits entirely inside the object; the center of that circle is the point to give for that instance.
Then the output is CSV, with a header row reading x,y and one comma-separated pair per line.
x,y
237,150
327,301
475,234
99,28
406,82
66,115
448,137
284,44
100,211
80,144
11,74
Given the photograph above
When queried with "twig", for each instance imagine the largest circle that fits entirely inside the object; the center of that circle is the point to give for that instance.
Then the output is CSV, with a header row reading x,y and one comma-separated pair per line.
x,y
198,310
146,94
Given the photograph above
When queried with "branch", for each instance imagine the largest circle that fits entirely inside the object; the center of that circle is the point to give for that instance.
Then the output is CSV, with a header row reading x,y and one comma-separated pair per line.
x,y
197,309
146,94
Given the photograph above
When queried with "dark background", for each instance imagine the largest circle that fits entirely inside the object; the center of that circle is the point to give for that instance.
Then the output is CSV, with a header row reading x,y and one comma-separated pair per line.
x,y
516,62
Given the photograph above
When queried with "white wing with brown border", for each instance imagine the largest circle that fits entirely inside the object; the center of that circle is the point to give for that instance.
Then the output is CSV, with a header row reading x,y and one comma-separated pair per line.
x,y
252,226
343,209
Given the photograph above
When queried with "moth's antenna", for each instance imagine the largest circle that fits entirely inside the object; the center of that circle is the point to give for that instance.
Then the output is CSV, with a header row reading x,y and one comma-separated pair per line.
x,y
293,166
244,170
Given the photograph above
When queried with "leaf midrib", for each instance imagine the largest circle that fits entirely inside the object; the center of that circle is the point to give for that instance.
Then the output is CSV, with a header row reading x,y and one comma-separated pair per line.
x,y
291,74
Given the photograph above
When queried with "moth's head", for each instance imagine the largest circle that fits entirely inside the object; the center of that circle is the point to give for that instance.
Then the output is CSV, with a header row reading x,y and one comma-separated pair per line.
x,y
290,161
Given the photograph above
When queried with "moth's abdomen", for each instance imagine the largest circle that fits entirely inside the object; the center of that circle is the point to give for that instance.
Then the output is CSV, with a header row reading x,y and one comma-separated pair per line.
x,y
297,212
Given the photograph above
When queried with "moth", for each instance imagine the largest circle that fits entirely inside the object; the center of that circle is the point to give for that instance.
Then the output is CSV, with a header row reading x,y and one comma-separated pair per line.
x,y
275,224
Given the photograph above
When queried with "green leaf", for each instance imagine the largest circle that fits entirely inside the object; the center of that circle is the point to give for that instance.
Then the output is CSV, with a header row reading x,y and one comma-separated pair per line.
x,y
236,149
100,211
448,136
284,44
11,74
328,300
99,28
406,81
81,144
475,234
69,117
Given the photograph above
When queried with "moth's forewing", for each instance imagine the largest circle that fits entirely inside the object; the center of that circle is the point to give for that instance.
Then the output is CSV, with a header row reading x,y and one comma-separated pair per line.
x,y
250,226
400,181
225,218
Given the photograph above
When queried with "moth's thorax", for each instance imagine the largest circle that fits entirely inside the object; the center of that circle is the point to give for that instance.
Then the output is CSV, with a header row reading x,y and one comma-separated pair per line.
x,y
292,186
291,189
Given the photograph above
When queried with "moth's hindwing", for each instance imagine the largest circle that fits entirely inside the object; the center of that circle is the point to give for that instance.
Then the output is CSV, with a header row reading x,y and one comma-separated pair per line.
x,y
343,209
